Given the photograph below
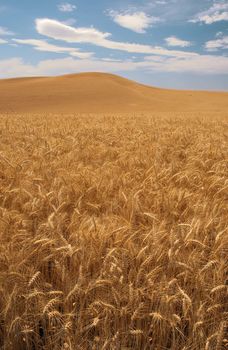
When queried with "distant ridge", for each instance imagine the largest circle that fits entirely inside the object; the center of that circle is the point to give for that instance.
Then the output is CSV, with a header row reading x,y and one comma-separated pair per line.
x,y
100,93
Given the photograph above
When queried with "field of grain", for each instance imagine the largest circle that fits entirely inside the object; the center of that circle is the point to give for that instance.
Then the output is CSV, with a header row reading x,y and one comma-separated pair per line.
x,y
113,231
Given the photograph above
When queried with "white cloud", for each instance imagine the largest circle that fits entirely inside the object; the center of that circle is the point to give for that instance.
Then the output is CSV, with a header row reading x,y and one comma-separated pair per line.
x,y
70,21
17,67
136,21
60,31
42,45
5,31
108,59
216,13
174,41
66,7
201,64
161,2
2,41
219,34
214,45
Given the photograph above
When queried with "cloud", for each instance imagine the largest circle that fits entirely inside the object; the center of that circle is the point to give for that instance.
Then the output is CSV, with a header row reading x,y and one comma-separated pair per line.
x,y
42,45
69,21
5,31
161,2
219,34
108,59
3,41
214,45
136,21
174,41
202,64
216,13
66,7
60,31
17,67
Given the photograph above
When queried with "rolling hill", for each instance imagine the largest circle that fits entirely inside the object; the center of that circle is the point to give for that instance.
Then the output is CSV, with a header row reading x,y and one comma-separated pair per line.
x,y
100,92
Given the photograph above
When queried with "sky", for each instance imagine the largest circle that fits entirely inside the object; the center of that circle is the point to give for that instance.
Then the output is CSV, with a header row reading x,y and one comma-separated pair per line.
x,y
180,44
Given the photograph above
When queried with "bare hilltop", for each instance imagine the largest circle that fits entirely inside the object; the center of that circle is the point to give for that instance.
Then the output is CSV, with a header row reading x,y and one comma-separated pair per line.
x,y
100,93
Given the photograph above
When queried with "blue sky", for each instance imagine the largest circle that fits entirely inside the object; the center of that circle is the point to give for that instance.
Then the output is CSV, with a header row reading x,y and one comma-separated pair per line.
x,y
167,43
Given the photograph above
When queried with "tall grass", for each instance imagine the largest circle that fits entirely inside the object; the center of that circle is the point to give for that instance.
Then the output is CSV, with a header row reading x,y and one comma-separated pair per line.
x,y
113,232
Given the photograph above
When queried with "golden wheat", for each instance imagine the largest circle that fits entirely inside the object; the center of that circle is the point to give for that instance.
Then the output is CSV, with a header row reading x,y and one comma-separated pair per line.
x,y
113,231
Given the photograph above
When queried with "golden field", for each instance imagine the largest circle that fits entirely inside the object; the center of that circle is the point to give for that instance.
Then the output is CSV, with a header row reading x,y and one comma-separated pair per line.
x,y
113,230
101,93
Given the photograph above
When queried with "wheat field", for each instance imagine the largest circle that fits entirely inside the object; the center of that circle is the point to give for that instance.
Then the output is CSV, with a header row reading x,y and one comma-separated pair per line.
x,y
113,231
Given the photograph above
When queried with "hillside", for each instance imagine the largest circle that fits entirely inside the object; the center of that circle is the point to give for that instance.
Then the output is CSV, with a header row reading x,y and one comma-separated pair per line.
x,y
100,92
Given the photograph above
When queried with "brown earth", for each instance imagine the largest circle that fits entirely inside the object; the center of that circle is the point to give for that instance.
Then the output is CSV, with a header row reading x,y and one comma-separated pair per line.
x,y
99,93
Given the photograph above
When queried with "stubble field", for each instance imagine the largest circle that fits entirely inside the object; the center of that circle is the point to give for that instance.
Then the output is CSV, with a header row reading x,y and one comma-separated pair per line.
x,y
113,231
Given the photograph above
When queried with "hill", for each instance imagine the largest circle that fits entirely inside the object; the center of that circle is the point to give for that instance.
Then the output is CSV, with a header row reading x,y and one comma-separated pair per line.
x,y
100,92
